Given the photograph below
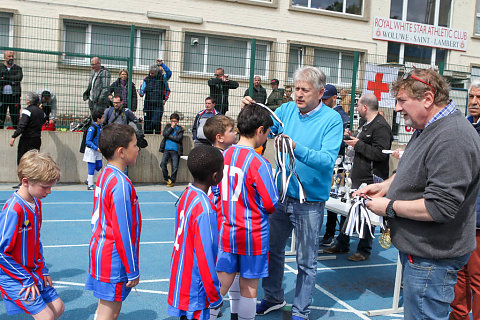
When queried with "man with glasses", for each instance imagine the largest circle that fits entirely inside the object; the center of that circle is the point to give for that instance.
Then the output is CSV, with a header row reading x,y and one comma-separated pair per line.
x,y
219,87
430,201
98,86
316,132
117,113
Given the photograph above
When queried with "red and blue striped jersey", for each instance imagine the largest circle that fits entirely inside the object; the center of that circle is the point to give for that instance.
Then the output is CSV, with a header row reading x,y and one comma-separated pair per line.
x,y
194,284
248,195
21,251
116,227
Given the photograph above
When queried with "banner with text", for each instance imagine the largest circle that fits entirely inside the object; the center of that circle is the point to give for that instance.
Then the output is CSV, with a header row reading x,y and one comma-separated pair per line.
x,y
378,81
419,34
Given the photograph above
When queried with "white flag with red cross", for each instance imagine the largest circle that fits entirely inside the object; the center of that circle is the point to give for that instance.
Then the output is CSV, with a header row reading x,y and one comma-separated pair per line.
x,y
378,80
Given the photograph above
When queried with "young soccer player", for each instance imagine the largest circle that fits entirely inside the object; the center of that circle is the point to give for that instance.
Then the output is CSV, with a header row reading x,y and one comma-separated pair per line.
x,y
220,131
92,155
248,195
194,286
172,148
116,224
24,280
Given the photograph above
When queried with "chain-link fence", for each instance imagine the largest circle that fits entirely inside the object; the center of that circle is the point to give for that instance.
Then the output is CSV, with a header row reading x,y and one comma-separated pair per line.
x,y
55,55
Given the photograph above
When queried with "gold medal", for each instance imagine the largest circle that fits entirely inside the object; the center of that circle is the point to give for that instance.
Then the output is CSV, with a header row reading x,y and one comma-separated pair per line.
x,y
385,240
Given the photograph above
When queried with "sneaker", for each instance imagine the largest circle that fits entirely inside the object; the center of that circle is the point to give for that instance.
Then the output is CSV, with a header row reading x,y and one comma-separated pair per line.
x,y
327,242
265,306
233,316
171,185
335,249
168,181
92,187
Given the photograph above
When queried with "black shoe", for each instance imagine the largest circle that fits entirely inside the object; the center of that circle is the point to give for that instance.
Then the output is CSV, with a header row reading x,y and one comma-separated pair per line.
x,y
17,186
327,242
234,316
335,249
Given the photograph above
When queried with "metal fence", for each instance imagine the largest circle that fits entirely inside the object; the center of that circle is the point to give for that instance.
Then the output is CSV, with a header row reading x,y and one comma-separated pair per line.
x,y
55,54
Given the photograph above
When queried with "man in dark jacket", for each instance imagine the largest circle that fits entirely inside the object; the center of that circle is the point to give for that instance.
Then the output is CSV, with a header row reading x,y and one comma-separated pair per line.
x,y
373,137
153,87
275,99
29,127
172,148
10,90
259,93
98,86
219,87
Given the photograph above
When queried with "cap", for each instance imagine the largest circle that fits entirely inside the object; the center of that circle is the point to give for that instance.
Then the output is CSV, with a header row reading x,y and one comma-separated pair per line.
x,y
274,81
330,91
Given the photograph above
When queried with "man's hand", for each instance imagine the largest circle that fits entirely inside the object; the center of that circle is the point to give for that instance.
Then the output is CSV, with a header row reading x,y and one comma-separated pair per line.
x,y
376,190
225,77
132,283
11,142
294,144
247,100
397,153
48,281
378,205
352,142
33,290
159,61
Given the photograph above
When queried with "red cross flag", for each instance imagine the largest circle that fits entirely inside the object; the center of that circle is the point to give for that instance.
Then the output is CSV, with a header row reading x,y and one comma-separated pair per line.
x,y
378,81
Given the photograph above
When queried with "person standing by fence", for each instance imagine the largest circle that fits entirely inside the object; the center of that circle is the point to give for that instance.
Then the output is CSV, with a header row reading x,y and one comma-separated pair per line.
x,y
153,88
11,75
98,86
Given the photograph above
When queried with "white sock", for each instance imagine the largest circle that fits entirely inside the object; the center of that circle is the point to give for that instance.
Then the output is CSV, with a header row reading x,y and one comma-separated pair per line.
x,y
234,294
247,308
90,180
214,314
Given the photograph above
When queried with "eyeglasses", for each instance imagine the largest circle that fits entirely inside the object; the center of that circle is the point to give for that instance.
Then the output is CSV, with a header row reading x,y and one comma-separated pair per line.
x,y
409,75
218,75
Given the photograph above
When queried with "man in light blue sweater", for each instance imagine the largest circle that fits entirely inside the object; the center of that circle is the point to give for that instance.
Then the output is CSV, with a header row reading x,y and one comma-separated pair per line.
x,y
317,132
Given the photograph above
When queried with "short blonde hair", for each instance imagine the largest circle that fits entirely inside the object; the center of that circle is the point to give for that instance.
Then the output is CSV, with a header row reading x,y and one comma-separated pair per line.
x,y
38,167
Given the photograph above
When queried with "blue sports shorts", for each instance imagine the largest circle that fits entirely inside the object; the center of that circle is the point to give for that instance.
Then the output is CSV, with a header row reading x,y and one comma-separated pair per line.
x,y
250,267
107,291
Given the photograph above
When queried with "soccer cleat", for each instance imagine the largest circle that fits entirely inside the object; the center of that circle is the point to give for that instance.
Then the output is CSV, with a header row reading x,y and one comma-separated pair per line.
x,y
266,306
92,187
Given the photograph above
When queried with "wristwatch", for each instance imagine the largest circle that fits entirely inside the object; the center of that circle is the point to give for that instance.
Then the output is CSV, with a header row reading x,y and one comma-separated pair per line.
x,y
390,212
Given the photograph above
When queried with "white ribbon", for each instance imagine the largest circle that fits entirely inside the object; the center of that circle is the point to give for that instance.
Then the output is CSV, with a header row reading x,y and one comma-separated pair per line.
x,y
358,219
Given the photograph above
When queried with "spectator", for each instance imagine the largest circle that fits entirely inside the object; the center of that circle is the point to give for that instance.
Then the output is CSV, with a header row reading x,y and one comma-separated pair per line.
x,y
29,127
10,90
345,100
48,103
317,132
198,136
275,99
98,86
219,87
373,137
120,87
430,201
467,289
118,113
287,94
167,74
153,87
259,92
172,148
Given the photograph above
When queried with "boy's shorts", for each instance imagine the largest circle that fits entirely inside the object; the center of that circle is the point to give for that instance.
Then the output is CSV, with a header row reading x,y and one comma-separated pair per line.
x,y
190,315
107,291
14,302
250,267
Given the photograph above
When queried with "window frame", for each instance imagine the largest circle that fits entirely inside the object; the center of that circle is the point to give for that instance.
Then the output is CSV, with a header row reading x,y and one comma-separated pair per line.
x,y
88,35
324,11
11,26
476,25
205,65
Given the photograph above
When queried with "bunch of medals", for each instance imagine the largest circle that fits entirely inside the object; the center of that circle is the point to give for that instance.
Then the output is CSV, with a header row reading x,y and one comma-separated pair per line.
x,y
385,240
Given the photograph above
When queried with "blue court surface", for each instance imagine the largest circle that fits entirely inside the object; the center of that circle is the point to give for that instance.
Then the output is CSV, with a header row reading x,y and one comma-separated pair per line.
x,y
344,289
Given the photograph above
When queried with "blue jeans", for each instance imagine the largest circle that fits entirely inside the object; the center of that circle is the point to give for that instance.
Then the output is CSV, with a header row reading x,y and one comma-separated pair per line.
x,y
428,286
305,219
166,156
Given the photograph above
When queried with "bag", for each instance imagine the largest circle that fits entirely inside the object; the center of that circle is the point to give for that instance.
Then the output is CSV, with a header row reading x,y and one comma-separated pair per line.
x,y
83,145
141,141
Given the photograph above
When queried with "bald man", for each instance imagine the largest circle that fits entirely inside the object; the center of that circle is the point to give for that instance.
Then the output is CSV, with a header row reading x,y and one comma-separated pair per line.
x,y
10,89
98,86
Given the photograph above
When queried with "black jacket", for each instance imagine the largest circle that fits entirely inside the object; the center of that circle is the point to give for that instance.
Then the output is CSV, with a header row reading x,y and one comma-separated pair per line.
x,y
369,159
178,138
154,91
11,77
30,124
116,89
259,95
219,91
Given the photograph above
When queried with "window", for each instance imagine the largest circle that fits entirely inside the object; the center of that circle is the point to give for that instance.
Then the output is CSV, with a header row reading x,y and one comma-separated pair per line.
x,y
6,30
434,12
204,54
477,19
475,73
111,40
343,6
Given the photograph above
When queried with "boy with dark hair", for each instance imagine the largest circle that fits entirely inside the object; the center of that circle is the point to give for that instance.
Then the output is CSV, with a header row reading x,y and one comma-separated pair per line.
x,y
92,155
172,148
194,285
198,135
24,280
220,131
248,195
116,224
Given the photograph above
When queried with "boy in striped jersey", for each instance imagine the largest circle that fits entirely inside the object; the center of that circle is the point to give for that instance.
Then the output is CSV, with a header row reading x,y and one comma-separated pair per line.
x,y
24,280
194,285
116,224
248,195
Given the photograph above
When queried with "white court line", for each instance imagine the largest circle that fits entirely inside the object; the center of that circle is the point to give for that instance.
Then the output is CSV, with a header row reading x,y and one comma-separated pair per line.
x,y
334,298
362,266
89,220
91,202
173,194
76,284
86,245
155,280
